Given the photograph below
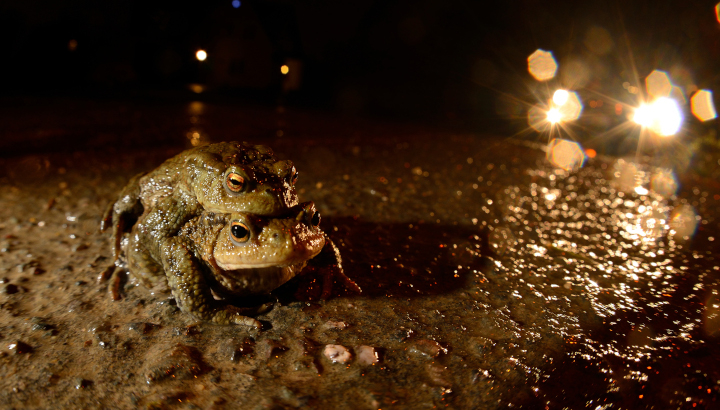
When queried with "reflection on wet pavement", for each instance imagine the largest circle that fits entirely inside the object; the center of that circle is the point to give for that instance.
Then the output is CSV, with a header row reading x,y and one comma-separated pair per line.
x,y
492,279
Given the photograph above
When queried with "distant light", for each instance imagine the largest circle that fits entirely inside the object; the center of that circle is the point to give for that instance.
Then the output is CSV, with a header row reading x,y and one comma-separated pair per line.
x,y
662,116
554,116
643,115
658,84
560,97
590,153
72,45
702,105
668,116
201,55
284,69
717,12
236,4
196,88
542,65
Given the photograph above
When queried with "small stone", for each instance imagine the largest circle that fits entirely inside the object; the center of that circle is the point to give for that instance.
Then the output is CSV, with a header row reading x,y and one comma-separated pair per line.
x,y
366,355
268,348
79,247
340,325
143,327
20,347
235,350
427,348
42,326
337,353
180,362
81,383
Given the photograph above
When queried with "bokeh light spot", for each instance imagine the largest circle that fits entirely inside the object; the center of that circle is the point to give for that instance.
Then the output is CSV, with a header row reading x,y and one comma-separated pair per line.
x,y
702,105
572,107
560,97
284,69
542,65
599,41
236,4
565,154
712,315
678,95
201,55
658,84
717,12
664,183
538,119
683,222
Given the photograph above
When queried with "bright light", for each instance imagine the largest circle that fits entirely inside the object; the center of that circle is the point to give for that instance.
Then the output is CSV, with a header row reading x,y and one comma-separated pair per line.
x,y
717,12
663,116
554,116
201,55
702,105
542,65
284,69
667,117
643,115
560,97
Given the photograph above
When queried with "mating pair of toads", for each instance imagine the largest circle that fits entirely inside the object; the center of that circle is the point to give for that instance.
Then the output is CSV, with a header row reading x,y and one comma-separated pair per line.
x,y
218,222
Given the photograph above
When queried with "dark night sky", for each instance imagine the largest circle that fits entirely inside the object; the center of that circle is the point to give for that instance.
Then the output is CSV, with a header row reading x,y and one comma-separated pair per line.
x,y
392,57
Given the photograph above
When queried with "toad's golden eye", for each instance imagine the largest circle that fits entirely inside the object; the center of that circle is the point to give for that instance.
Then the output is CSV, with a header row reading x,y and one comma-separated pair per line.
x,y
235,182
240,232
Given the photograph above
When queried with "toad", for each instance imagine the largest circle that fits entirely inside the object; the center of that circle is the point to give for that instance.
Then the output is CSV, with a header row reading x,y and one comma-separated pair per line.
x,y
225,177
221,256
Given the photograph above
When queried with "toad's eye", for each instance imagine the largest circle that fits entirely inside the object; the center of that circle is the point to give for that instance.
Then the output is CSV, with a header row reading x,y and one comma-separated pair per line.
x,y
235,182
240,232
315,220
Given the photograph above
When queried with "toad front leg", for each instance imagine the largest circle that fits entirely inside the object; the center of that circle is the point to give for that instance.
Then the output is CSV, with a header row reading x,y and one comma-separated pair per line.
x,y
192,293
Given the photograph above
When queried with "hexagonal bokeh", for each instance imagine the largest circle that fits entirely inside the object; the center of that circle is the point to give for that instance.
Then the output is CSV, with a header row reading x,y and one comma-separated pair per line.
x,y
664,183
565,154
683,222
538,119
542,65
571,108
658,84
702,105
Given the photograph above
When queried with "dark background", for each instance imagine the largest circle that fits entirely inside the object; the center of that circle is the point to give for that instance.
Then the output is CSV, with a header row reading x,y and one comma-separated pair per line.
x,y
454,62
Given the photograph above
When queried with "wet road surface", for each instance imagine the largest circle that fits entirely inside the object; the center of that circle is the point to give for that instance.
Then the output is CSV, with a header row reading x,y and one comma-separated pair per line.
x,y
491,278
